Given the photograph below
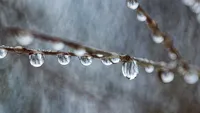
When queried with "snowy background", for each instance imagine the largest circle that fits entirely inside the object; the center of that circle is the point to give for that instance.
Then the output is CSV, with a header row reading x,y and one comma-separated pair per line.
x,y
104,24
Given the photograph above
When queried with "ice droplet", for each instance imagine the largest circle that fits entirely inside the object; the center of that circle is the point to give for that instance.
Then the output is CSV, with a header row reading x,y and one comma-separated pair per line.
x,y
79,52
115,60
157,39
106,61
24,39
86,60
36,59
132,4
149,69
63,59
130,70
141,17
58,46
167,77
3,53
191,77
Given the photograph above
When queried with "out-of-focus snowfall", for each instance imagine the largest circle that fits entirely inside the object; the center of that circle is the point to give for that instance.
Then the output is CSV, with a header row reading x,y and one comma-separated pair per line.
x,y
104,24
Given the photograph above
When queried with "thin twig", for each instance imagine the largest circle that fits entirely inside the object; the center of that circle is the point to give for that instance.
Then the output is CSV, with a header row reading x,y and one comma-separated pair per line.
x,y
168,42
124,58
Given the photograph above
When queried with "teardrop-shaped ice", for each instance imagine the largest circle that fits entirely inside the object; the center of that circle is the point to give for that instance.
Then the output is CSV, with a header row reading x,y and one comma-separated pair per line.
x,y
191,77
130,70
106,61
132,4
115,60
25,39
86,60
58,46
36,59
3,53
63,59
149,69
167,77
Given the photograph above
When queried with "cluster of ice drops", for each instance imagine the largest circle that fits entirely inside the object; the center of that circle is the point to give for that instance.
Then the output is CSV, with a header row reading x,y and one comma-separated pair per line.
x,y
129,69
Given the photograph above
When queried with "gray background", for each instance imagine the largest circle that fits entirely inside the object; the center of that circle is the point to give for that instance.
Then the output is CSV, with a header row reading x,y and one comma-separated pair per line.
x,y
104,24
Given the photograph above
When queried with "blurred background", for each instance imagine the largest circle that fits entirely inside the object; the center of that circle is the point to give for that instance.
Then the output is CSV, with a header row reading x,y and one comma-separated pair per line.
x,y
104,24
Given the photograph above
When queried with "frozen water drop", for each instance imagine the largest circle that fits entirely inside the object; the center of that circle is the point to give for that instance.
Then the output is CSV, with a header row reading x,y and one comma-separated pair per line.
x,y
141,17
36,59
167,77
58,46
149,69
3,53
79,52
130,70
86,60
191,77
106,61
115,60
158,39
63,59
24,39
132,4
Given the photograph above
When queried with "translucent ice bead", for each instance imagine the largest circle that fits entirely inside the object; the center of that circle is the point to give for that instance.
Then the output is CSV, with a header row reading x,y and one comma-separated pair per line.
x,y
130,70
191,77
36,59
132,4
167,77
86,60
106,61
3,53
63,59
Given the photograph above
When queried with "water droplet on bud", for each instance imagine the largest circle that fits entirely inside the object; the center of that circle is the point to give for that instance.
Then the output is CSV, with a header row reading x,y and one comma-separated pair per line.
x,y
141,17
115,60
191,77
79,52
86,60
158,39
3,53
36,59
167,77
63,59
132,4
149,69
24,39
106,61
58,46
130,70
